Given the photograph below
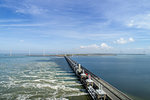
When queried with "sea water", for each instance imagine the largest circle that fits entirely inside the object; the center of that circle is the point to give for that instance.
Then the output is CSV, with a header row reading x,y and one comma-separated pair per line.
x,y
36,78
128,73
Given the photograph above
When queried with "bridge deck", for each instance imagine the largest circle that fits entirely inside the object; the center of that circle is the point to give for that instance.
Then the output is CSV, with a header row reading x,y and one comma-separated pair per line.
x,y
111,91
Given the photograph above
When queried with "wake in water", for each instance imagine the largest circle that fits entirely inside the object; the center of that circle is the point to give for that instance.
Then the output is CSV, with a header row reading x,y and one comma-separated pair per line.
x,y
34,78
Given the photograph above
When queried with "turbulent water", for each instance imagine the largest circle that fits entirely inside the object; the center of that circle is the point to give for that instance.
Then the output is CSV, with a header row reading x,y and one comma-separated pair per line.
x,y
129,73
23,77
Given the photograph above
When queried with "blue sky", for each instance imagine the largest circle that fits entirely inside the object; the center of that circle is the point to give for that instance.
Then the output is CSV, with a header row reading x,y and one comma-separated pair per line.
x,y
75,26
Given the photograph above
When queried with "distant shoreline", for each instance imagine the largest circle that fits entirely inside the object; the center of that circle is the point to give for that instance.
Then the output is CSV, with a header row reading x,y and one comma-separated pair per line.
x,y
61,55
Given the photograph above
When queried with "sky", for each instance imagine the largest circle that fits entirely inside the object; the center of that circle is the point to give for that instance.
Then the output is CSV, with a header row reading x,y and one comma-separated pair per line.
x,y
75,26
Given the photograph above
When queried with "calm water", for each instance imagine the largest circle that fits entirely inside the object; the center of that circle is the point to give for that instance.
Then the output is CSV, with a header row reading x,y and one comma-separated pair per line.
x,y
47,78
129,73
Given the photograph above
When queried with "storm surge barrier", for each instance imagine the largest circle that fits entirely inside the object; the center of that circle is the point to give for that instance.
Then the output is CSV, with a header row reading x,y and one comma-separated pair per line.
x,y
111,92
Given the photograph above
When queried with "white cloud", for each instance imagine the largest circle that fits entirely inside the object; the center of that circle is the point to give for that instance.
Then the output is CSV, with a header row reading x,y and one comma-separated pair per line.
x,y
89,46
131,40
131,23
95,46
121,41
124,41
105,46
140,21
31,9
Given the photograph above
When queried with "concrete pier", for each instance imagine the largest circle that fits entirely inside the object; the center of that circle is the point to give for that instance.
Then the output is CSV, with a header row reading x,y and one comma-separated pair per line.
x,y
112,92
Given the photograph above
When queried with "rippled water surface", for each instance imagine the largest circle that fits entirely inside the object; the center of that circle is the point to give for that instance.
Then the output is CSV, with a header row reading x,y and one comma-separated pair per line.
x,y
129,73
23,77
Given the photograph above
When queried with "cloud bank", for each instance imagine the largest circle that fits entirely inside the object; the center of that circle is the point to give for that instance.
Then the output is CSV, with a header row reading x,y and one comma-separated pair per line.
x,y
95,46
124,41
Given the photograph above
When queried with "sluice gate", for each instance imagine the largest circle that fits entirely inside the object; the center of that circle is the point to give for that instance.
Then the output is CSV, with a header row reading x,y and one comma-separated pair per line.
x,y
97,88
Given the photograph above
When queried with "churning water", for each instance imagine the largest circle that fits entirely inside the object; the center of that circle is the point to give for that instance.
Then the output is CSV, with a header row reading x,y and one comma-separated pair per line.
x,y
49,78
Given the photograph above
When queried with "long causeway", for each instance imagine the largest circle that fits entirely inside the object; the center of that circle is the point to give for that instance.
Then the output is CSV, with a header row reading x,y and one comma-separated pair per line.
x,y
112,92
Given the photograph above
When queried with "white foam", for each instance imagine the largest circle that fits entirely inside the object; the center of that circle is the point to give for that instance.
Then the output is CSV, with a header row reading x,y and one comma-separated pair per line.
x,y
76,94
66,77
46,80
55,87
23,97
29,76
65,73
7,96
44,74
72,82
